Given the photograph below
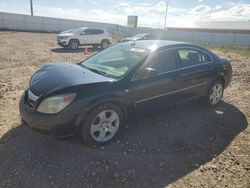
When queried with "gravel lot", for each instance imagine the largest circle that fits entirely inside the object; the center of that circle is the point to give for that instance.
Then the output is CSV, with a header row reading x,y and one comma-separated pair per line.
x,y
183,146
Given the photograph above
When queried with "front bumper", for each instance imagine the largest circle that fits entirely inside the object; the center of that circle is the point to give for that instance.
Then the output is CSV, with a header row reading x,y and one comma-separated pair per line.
x,y
61,124
62,43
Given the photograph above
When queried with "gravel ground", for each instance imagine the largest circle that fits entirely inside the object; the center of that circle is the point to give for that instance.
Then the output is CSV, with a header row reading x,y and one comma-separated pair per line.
x,y
184,146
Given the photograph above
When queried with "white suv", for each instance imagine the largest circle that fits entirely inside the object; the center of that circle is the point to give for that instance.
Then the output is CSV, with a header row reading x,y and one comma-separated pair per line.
x,y
84,36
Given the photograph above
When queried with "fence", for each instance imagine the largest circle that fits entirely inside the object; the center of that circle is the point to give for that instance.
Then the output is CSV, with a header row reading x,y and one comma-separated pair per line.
x,y
47,24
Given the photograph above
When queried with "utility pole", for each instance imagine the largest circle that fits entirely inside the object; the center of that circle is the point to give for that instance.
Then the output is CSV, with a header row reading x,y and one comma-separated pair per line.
x,y
31,7
166,15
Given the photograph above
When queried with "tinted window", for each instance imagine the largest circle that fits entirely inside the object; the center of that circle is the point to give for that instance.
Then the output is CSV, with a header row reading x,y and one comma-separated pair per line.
x,y
98,31
88,31
164,61
189,57
93,31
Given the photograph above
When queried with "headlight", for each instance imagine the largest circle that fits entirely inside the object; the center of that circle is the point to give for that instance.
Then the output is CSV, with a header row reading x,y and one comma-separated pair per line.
x,y
56,103
64,38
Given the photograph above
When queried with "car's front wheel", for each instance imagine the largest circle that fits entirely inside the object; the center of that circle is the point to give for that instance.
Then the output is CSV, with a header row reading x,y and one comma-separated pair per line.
x,y
102,124
104,44
215,93
73,44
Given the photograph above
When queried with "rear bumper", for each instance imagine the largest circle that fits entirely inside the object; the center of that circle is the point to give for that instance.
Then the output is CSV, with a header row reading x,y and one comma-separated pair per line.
x,y
58,125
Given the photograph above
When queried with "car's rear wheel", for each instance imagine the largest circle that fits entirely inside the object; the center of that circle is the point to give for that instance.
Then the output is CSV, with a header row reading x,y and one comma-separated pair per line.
x,y
215,93
73,44
102,124
104,44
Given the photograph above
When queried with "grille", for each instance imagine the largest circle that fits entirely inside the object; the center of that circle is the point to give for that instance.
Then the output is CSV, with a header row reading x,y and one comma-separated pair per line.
x,y
60,38
32,99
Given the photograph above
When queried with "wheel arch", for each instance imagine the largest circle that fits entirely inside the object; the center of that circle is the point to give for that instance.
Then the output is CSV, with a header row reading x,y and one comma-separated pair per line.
x,y
219,76
116,100
76,39
105,40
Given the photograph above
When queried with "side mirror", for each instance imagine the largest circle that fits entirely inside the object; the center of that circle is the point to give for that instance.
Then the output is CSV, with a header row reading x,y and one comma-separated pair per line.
x,y
150,72
146,73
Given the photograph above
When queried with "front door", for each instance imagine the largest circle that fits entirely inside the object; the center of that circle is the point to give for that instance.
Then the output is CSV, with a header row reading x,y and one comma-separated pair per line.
x,y
154,92
87,36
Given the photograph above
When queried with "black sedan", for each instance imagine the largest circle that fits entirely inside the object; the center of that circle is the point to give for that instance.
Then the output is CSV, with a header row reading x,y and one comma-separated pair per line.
x,y
142,36
94,98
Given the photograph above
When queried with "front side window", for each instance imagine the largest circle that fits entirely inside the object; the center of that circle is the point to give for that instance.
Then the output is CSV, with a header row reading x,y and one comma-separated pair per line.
x,y
88,31
116,61
164,61
189,57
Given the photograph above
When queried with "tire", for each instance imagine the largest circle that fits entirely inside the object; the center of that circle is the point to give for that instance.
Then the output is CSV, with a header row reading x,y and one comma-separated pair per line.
x,y
215,93
102,124
104,44
73,44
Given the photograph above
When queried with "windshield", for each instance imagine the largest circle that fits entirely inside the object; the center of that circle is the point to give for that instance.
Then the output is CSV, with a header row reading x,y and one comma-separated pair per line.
x,y
116,61
79,30
68,31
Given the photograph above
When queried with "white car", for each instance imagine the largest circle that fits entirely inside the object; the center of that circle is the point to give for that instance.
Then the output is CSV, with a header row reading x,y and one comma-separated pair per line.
x,y
84,36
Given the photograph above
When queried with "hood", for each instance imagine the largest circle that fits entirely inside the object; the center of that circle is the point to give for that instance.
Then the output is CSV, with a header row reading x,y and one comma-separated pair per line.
x,y
65,34
52,77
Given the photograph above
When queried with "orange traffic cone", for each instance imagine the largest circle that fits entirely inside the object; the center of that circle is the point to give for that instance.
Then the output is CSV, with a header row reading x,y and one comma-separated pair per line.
x,y
53,44
85,51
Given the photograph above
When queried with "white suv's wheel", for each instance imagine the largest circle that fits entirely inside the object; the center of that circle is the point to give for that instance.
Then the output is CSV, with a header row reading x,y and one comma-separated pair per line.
x,y
105,44
73,44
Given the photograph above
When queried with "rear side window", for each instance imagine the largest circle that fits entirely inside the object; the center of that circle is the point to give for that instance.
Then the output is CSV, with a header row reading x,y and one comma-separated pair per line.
x,y
97,31
189,57
164,61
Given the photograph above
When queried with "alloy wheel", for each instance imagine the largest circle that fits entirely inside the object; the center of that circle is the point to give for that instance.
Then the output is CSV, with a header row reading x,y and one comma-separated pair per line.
x,y
105,44
74,45
104,126
216,94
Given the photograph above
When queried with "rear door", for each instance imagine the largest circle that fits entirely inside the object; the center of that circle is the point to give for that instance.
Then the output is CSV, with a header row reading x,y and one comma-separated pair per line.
x,y
196,70
99,35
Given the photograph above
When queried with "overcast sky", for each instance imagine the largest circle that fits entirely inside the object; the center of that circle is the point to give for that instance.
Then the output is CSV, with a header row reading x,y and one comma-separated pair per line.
x,y
151,12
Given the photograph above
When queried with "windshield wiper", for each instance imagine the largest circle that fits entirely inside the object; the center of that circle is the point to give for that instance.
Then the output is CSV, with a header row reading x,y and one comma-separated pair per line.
x,y
96,70
99,72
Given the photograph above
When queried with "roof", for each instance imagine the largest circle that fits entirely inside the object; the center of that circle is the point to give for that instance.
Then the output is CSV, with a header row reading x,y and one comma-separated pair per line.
x,y
153,44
